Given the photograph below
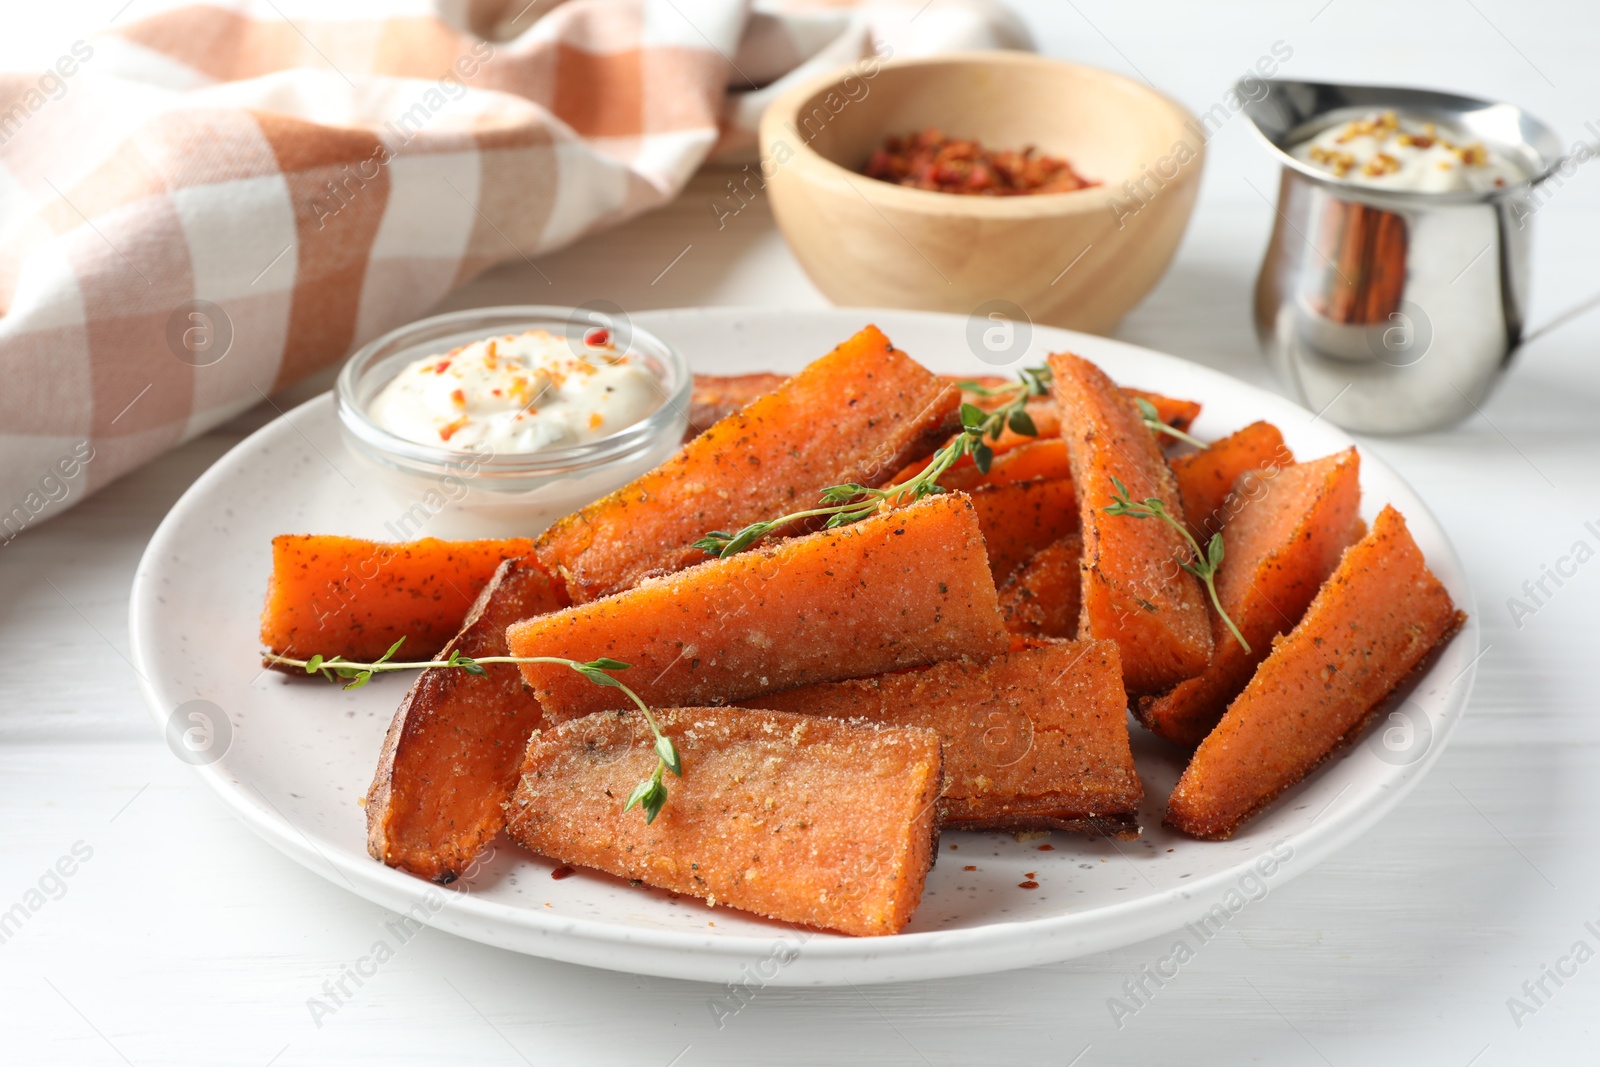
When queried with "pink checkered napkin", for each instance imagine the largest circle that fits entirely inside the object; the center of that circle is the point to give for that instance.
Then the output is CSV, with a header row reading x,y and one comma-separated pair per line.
x,y
209,202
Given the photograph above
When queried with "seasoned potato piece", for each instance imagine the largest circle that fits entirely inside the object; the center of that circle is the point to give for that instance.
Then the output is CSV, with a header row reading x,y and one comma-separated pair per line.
x,y
880,408
1032,458
1134,591
716,396
1041,598
1037,738
903,588
1368,628
1018,520
1206,478
1282,544
1045,458
1179,414
343,596
451,755
808,820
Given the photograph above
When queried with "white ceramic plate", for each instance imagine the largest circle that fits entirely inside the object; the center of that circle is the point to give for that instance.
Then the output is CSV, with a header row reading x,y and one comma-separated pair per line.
x,y
291,756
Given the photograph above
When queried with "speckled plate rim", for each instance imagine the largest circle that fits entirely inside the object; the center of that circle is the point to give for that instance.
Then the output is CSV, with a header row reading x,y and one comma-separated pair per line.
x,y
818,960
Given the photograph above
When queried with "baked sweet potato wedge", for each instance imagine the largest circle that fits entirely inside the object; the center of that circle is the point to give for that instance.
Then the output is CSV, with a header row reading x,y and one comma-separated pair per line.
x,y
881,409
1020,519
812,821
1206,478
1041,409
984,381
903,588
1282,543
1044,457
717,396
1134,591
1036,739
453,750
1041,598
354,598
1370,625
1179,414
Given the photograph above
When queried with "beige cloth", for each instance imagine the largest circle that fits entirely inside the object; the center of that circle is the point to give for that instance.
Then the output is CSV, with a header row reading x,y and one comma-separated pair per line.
x,y
211,201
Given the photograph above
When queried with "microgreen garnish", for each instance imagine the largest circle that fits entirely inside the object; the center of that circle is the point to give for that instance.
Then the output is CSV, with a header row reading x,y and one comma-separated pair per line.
x,y
1205,563
848,503
1153,423
650,794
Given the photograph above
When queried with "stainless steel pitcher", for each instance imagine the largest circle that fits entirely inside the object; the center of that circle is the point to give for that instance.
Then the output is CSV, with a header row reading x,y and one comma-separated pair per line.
x,y
1394,311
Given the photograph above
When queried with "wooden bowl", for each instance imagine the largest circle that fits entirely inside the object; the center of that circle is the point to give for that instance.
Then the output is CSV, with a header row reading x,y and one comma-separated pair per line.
x,y
1078,260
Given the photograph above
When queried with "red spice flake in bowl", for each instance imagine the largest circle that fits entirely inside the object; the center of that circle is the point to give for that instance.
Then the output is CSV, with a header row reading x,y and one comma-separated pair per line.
x,y
930,160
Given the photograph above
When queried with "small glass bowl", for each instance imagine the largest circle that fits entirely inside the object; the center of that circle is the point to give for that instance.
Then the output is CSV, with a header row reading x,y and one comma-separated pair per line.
x,y
513,493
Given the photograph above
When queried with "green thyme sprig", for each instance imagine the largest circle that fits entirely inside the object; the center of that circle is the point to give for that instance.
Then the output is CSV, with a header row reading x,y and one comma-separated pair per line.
x,y
1153,423
1205,562
650,794
851,502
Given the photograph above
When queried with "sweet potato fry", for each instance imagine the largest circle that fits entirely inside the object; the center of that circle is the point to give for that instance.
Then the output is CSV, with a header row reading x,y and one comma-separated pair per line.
x,y
1044,458
1179,414
900,589
1134,592
808,820
1370,625
716,396
1282,543
1205,478
986,381
880,408
1036,458
345,596
1018,520
1042,410
451,755
1046,420
1032,739
1041,598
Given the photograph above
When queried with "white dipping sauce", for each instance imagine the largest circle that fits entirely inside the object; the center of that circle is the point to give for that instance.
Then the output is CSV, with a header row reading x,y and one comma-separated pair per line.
x,y
1389,152
517,393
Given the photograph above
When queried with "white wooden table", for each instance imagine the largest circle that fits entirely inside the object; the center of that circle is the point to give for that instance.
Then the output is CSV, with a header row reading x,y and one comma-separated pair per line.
x,y
181,938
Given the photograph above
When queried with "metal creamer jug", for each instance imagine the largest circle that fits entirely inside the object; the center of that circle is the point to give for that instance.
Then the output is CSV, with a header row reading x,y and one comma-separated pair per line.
x,y
1393,310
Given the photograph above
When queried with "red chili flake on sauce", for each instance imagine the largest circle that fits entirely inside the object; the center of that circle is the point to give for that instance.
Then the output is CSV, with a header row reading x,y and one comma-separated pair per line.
x,y
597,337
1047,848
1031,874
1029,884
969,868
442,366
562,872
930,160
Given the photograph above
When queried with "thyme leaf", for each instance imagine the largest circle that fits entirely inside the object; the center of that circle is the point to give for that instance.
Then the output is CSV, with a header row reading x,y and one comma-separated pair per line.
x,y
1153,423
1206,561
852,502
650,794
